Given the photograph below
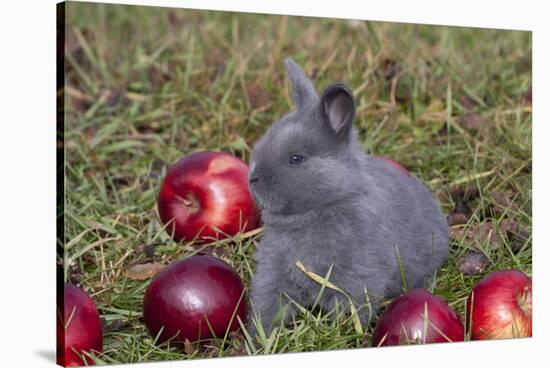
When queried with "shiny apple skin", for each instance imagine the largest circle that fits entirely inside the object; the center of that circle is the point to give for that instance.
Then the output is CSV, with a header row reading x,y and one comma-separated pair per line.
x,y
190,291
215,187
406,313
395,164
502,306
80,332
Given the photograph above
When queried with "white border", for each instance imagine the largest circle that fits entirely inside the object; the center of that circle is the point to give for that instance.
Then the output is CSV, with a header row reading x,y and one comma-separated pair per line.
x,y
27,143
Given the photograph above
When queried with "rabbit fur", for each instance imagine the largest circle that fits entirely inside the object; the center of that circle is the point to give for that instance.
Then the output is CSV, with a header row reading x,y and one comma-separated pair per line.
x,y
326,203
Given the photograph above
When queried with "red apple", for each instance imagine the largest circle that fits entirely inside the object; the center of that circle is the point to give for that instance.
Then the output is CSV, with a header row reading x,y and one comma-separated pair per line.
x,y
194,298
78,328
500,306
405,321
206,191
395,164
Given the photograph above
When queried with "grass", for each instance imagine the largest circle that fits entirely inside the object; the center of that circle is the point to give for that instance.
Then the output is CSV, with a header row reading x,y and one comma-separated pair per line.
x,y
145,86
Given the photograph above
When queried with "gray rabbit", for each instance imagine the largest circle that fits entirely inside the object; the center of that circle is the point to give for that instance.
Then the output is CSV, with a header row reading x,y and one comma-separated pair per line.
x,y
327,204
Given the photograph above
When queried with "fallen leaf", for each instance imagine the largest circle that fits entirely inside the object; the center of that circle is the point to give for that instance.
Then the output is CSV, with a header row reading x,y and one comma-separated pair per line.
x,y
503,199
472,263
188,347
481,233
467,102
144,271
460,214
486,233
459,193
456,219
257,96
508,227
457,233
472,120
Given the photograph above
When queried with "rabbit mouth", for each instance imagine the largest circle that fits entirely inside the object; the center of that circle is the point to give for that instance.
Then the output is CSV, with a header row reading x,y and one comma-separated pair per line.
x,y
257,198
265,198
267,204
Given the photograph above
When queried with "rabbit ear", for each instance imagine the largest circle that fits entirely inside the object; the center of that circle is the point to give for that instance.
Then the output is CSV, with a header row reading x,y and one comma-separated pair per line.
x,y
303,90
338,108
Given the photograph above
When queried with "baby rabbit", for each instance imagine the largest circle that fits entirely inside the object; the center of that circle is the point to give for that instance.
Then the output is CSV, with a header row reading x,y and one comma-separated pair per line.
x,y
327,204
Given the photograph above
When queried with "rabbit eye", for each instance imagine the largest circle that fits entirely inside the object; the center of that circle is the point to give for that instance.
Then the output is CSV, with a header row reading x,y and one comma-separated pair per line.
x,y
296,159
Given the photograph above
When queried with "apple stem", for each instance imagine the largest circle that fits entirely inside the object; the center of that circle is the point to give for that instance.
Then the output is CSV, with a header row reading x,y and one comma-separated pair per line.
x,y
191,203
